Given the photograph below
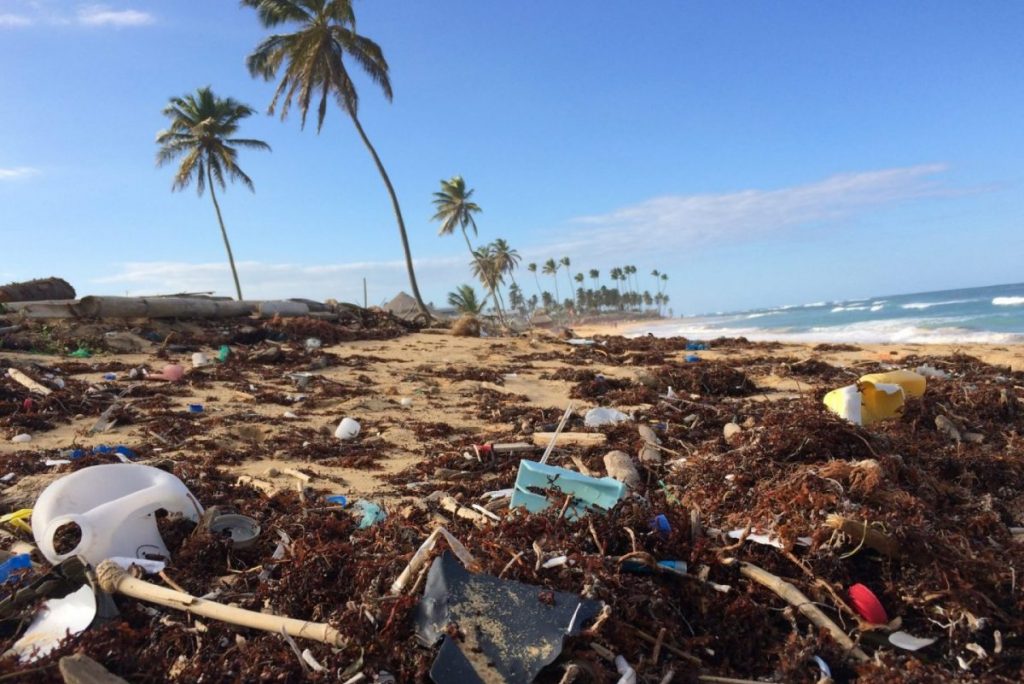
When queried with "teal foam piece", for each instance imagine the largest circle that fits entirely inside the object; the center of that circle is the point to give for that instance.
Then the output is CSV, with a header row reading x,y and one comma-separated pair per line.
x,y
587,492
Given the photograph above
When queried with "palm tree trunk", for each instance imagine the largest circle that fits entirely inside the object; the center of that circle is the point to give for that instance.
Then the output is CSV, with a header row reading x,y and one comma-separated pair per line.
x,y
568,277
537,280
558,297
223,233
398,217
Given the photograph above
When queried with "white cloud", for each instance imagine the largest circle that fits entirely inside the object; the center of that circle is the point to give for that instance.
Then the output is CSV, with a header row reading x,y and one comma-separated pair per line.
x,y
102,15
17,173
15,20
262,280
697,220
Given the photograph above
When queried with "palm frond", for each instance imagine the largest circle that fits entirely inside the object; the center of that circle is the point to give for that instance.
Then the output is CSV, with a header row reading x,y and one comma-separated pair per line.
x,y
274,12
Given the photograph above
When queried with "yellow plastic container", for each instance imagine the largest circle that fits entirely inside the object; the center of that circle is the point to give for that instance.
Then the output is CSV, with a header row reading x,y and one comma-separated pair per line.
x,y
912,383
875,397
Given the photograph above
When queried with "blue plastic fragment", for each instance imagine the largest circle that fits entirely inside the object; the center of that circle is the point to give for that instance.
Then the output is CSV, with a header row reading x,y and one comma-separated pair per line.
x,y
372,513
102,449
338,499
695,346
692,358
639,567
13,564
587,492
661,524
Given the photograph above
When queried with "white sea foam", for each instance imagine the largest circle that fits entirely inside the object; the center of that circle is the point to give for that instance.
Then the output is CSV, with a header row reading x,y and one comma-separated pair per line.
x,y
1008,301
905,330
837,309
877,307
928,305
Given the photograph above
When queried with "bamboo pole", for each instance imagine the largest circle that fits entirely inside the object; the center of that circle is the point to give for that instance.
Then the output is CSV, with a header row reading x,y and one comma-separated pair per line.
x,y
113,579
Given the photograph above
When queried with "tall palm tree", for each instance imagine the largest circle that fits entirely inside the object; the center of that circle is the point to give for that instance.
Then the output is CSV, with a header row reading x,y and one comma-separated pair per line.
x,y
202,129
532,268
454,208
594,275
313,59
664,281
465,301
551,268
564,261
616,275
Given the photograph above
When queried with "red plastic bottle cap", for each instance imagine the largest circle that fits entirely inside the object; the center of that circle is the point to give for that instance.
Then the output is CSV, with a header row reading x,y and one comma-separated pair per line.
x,y
28,405
867,605
484,449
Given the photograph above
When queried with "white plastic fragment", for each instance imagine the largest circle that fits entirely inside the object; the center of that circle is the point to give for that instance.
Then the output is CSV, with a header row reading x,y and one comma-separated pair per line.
x,y
314,665
909,642
22,438
826,671
596,417
627,675
507,493
55,620
931,372
56,462
348,428
555,562
765,539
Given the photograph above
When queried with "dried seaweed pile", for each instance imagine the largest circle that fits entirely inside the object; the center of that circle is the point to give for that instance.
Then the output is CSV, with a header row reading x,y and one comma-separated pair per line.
x,y
927,518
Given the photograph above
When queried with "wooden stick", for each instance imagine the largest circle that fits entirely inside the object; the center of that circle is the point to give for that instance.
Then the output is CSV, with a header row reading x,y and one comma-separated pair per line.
x,y
865,534
28,382
297,474
557,432
668,647
798,600
577,438
113,579
452,506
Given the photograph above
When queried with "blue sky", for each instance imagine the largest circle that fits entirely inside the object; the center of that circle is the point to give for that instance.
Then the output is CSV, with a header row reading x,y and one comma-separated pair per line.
x,y
759,153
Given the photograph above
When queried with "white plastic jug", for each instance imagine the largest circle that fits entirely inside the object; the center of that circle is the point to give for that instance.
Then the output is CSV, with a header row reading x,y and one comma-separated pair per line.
x,y
114,506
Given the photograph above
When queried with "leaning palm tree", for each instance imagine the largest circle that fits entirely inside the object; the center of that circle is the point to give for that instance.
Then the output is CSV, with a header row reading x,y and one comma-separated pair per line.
x,y
313,59
465,301
485,268
202,129
551,268
454,209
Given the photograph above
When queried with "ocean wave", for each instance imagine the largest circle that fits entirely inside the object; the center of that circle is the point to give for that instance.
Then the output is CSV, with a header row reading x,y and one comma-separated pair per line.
x,y
1008,301
837,309
898,331
877,307
928,305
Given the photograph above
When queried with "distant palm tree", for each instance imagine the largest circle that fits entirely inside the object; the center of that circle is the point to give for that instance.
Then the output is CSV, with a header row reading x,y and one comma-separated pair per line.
x,y
664,281
594,275
465,301
485,268
551,268
507,258
313,60
532,268
202,126
616,275
564,261
454,208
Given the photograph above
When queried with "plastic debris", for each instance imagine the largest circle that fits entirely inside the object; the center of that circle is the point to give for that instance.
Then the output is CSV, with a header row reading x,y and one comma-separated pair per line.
x,y
348,429
585,492
81,353
243,530
596,417
223,353
909,642
11,568
151,567
195,408
370,513
22,438
692,358
509,634
867,604
875,397
56,619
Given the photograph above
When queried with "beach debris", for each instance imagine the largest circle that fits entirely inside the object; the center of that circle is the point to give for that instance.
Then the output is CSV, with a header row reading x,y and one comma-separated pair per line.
x,y
597,417
621,467
467,326
195,408
28,382
108,510
804,605
909,642
22,438
507,629
867,604
558,431
81,669
731,431
172,372
543,439
241,529
113,579
370,513
13,567
56,619
199,359
560,484
875,397
862,534
947,427
348,429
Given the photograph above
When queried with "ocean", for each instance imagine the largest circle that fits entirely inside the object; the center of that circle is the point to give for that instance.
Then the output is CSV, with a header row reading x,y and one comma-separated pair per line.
x,y
993,314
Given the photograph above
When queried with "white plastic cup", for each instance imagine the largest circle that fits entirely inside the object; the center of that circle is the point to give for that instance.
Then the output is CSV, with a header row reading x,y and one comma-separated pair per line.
x,y
348,428
199,359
